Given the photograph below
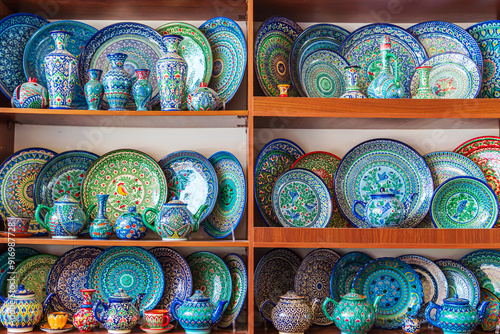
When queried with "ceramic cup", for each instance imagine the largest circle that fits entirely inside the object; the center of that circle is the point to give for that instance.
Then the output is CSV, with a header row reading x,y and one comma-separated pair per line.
x,y
157,318
18,224
57,320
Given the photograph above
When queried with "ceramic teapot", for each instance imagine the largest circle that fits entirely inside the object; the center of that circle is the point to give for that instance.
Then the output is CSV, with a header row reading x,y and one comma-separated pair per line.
x,y
354,313
66,219
121,315
21,311
197,314
174,221
455,315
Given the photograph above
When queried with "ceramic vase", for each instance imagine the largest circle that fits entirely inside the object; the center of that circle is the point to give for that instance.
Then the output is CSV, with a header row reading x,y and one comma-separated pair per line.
x,y
283,90
171,71
411,325
117,82
93,89
84,319
30,95
101,227
291,315
130,225
142,90
424,88
353,91
203,98
61,72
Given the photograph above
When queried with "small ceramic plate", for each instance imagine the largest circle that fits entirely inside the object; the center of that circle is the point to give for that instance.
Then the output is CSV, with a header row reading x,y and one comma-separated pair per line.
x,y
344,272
157,330
46,328
492,312
239,277
485,264
461,280
16,234
33,273
464,202
301,199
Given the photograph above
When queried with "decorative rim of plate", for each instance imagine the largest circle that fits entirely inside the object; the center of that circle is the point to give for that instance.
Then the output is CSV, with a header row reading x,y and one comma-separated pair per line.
x,y
315,153
491,326
340,265
444,263
468,146
236,266
27,265
476,267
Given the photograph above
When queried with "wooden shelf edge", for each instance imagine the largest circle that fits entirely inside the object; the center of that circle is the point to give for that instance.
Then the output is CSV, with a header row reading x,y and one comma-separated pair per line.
x,y
176,330
75,112
334,330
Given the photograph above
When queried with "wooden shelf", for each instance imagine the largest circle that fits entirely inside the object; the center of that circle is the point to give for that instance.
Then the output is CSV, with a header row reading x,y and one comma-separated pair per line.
x,y
334,330
240,329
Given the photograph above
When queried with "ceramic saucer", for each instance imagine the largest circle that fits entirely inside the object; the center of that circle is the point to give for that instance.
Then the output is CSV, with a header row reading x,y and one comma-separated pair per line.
x,y
46,328
157,330
16,234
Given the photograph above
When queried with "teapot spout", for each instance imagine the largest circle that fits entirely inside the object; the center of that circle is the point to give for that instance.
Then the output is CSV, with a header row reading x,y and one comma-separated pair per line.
x,y
482,310
377,300
197,216
407,203
217,313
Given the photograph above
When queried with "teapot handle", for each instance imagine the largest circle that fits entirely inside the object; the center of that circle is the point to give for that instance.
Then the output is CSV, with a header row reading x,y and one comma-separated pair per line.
x,y
429,317
396,68
325,307
151,223
262,309
39,218
97,315
173,308
355,213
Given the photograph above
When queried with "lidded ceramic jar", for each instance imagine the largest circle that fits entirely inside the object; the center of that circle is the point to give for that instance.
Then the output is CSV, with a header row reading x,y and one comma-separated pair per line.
x,y
30,95
130,225
203,98
291,314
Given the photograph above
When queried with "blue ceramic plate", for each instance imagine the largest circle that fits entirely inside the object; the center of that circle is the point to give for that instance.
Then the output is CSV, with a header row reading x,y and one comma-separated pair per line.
x,y
231,198
239,277
229,51
41,43
400,285
461,281
192,179
485,264
15,31
344,272
445,165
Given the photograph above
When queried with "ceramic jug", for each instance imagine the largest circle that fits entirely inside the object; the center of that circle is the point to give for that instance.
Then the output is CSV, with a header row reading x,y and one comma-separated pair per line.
x,y
130,225
203,98
117,82
84,319
353,91
197,314
30,95
121,315
383,209
66,219
142,90
354,313
424,88
21,311
174,221
101,227
455,316
93,89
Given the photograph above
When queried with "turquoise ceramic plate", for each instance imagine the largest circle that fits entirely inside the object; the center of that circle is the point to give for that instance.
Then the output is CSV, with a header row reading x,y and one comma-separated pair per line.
x,y
446,165
485,264
461,280
239,277
344,272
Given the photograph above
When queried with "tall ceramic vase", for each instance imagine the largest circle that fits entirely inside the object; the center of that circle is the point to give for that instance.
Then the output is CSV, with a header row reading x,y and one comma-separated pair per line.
x,y
171,73
94,89
101,227
142,90
84,319
61,72
352,89
424,88
117,82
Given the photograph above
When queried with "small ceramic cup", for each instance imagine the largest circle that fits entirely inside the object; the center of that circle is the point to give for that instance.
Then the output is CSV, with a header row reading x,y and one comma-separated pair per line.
x,y
18,224
157,318
57,320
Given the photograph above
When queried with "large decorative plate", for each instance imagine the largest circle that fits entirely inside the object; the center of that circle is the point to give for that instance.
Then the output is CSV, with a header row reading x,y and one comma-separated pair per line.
x,y
400,285
239,278
229,51
362,48
283,145
41,44
439,37
313,279
453,76
446,165
68,276
142,45
492,312
231,198
301,199
487,36
485,264
274,276
464,202
17,177
388,164
327,34
272,53
178,281
15,31
461,280
7,267
322,74
344,272
192,179
129,177
133,269
33,273
211,276
434,283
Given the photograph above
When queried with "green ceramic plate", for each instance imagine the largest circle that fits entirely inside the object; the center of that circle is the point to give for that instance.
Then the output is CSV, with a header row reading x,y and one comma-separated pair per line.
x,y
33,273
485,264
239,277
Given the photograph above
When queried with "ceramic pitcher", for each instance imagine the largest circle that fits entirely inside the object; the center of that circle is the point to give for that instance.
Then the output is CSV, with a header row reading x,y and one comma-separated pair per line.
x,y
121,315
84,319
101,227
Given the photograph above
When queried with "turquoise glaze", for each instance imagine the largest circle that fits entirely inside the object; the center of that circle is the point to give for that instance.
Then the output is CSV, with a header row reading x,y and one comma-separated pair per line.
x,y
142,90
101,227
117,82
94,89
203,98
121,315
30,95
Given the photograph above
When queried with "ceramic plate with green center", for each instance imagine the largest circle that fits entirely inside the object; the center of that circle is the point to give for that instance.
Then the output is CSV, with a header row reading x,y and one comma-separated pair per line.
x,y
239,276
33,273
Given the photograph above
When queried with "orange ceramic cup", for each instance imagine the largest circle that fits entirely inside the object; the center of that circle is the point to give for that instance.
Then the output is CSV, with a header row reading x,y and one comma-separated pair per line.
x,y
157,318
57,320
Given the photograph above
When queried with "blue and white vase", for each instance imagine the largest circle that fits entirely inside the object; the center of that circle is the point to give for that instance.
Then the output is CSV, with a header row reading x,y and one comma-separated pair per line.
x,y
171,71
94,89
352,89
117,82
61,72
130,225
203,98
142,90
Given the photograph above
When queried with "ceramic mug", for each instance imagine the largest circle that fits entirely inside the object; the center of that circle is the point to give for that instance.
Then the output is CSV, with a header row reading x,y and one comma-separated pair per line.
x,y
157,318
57,320
18,224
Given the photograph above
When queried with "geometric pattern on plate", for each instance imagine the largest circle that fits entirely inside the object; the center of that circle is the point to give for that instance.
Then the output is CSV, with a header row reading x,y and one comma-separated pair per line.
x,y
344,272
461,281
239,277
485,264
33,273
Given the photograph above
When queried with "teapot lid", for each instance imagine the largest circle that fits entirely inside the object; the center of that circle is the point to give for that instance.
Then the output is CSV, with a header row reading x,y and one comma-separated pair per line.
x,y
291,295
198,296
176,200
120,296
67,198
21,291
456,301
353,296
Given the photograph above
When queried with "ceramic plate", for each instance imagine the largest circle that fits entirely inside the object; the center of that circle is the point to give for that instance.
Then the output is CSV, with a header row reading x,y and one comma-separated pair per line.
x,y
192,179
15,235
211,276
485,264
344,272
239,278
492,313
141,43
229,51
399,284
439,37
301,199
133,269
231,198
434,283
46,328
388,164
464,202
313,279
453,76
461,280
41,43
446,165
33,273
487,36
362,48
15,31
272,53
17,176
129,177
7,267
68,276
178,282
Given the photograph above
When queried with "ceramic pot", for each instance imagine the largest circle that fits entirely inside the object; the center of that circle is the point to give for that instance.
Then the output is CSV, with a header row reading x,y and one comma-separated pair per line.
x,y
130,225
424,88
283,88
117,82
101,227
411,325
121,315
142,90
61,72
30,95
203,98
84,319
353,91
171,71
290,315
94,89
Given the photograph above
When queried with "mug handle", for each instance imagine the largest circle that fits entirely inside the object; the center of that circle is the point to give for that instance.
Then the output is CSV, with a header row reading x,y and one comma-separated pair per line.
x,y
166,320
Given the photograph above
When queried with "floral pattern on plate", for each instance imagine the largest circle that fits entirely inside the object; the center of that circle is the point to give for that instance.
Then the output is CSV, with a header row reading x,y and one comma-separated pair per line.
x,y
33,273
461,280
